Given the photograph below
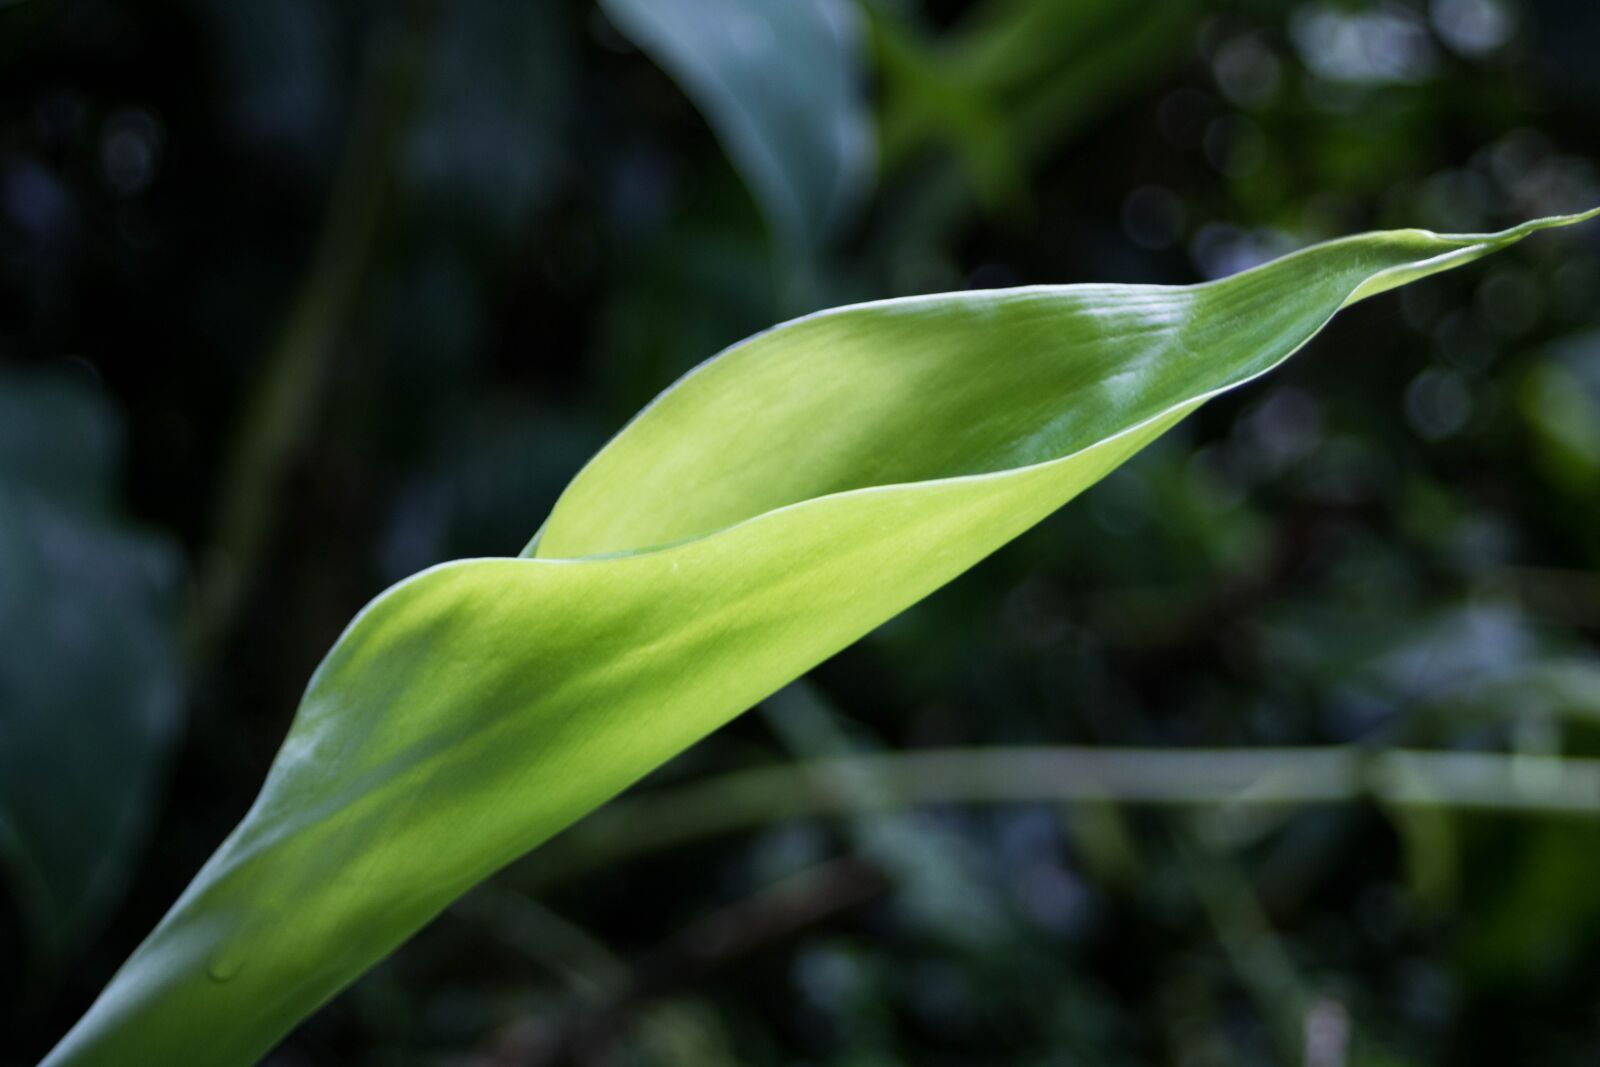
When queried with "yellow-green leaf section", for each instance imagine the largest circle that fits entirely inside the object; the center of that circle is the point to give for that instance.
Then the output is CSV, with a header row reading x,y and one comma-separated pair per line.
x,y
777,503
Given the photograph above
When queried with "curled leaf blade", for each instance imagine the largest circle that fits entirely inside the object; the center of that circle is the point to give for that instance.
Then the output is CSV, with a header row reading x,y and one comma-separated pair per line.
x,y
773,506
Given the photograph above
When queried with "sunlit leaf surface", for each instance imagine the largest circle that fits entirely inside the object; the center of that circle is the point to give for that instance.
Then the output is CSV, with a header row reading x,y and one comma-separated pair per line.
x,y
777,503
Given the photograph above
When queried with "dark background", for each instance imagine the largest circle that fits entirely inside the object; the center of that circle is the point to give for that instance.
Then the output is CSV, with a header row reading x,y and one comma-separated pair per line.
x,y
297,298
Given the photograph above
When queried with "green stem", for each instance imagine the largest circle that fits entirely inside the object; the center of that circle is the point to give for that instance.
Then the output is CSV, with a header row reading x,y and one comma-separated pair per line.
x,y
1243,930
282,408
1285,777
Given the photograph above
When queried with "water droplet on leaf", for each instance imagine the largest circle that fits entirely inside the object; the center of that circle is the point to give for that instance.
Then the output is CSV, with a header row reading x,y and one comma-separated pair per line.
x,y
225,964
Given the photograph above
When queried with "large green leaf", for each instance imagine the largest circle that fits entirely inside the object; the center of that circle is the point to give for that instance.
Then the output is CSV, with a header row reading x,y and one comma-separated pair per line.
x,y
769,509
90,680
783,84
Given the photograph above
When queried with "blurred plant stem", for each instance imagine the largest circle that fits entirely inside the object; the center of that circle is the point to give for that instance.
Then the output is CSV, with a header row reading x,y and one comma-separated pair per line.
x,y
616,999
597,978
564,949
1000,95
1255,951
929,870
771,915
281,408
658,820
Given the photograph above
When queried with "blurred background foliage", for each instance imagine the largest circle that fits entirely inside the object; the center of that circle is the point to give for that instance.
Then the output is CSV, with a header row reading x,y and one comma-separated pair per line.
x,y
298,298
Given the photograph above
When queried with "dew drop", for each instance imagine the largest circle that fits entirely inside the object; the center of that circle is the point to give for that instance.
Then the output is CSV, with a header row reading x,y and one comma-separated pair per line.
x,y
225,964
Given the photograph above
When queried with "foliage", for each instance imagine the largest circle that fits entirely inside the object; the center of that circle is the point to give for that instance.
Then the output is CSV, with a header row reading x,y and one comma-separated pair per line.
x,y
775,504
473,239
89,667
